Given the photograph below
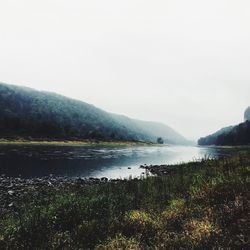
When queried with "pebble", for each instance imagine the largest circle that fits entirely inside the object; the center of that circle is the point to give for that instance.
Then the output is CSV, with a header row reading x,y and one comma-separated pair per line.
x,y
11,192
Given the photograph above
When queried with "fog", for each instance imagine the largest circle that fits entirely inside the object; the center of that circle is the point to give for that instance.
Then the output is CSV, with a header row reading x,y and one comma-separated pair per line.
x,y
183,63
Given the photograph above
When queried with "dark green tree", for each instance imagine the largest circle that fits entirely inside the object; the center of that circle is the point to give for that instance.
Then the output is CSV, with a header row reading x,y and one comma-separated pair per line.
x,y
160,140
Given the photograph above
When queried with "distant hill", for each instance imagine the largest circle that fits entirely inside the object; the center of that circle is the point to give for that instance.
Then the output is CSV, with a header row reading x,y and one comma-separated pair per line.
x,y
161,130
247,114
212,139
233,135
27,113
153,129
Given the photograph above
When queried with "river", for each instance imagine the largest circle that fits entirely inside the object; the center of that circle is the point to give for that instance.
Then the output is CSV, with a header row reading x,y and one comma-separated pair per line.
x,y
29,161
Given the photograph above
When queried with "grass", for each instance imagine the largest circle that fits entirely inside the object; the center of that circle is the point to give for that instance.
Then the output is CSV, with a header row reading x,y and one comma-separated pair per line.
x,y
201,205
73,142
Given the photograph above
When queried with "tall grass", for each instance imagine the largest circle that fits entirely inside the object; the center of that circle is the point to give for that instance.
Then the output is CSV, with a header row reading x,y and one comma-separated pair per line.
x,y
200,205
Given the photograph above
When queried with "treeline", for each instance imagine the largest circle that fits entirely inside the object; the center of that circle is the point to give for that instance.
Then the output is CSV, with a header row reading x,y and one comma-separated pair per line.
x,y
27,113
235,135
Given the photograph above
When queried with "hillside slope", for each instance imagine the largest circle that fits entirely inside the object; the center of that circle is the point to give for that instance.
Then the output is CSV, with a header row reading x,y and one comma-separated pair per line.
x,y
28,113
161,130
152,129
233,135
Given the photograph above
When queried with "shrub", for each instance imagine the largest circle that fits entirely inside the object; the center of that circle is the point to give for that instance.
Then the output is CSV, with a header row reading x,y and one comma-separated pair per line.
x,y
141,224
200,230
120,242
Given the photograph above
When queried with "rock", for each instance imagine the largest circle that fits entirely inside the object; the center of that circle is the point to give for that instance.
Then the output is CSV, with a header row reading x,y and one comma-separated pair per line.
x,y
104,179
94,179
11,192
80,181
11,204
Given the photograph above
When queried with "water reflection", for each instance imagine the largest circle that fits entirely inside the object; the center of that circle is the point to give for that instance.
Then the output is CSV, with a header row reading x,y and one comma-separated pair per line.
x,y
111,162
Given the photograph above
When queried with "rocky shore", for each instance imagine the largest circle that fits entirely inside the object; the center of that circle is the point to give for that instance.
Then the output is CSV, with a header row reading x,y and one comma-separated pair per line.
x,y
207,198
159,170
13,190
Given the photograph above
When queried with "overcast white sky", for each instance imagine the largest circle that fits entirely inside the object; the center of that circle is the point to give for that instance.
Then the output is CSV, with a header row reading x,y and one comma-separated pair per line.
x,y
184,63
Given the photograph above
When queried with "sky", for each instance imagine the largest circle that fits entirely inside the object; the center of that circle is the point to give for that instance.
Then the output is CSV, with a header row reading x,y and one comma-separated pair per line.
x,y
183,63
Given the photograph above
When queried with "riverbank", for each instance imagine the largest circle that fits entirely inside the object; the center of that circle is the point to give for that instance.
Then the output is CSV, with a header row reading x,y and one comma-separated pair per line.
x,y
14,190
74,142
197,205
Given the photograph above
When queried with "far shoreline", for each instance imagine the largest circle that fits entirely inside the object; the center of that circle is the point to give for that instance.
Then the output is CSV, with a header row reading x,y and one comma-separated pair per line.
x,y
84,142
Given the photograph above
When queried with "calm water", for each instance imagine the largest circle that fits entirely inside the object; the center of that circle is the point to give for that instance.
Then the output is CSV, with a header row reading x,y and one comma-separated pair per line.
x,y
112,162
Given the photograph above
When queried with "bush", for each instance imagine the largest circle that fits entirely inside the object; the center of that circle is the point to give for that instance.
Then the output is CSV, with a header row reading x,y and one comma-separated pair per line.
x,y
120,242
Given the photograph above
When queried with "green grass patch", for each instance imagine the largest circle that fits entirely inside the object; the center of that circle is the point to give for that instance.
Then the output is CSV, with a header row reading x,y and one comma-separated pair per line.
x,y
74,142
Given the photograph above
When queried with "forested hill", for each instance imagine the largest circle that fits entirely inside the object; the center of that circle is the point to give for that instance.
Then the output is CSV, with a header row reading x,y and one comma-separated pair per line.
x,y
233,135
27,113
